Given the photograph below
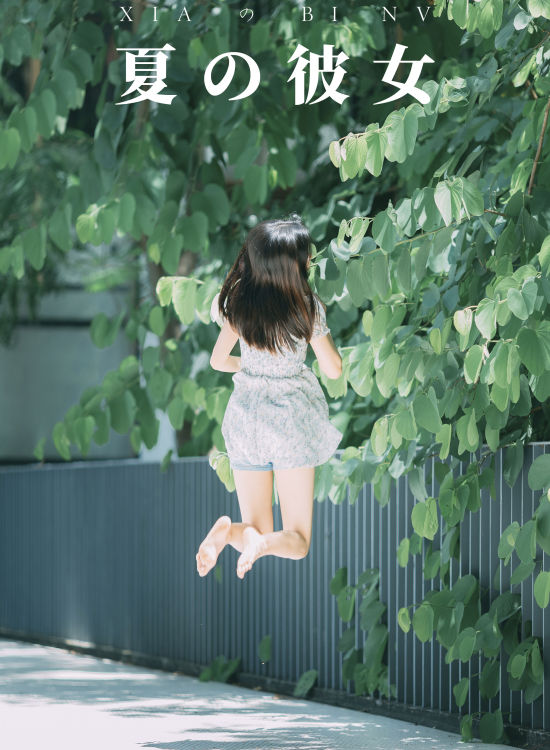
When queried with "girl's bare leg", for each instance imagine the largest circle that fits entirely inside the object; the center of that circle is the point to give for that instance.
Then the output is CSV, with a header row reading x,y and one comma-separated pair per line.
x,y
295,490
254,492
212,545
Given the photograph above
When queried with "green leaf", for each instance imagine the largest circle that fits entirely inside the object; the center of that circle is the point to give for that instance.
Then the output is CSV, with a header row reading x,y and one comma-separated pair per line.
x,y
516,303
404,620
541,588
444,437
531,351
357,289
126,211
466,643
539,472
346,602
463,321
45,107
106,220
538,8
85,226
394,126
83,431
403,552
305,683
513,463
537,666
334,151
485,318
542,515
466,727
360,153
123,410
220,463
491,726
526,541
472,363
517,665
403,271
507,541
386,376
61,441
376,147
544,256
426,413
489,680
103,426
38,452
459,10
34,245
423,622
160,387
59,227
523,571
183,297
448,198
424,518
443,201
435,340
460,691
25,122
348,153
164,290
379,436
379,271
472,198
468,434
405,424
157,323
384,231
176,412
104,330
338,581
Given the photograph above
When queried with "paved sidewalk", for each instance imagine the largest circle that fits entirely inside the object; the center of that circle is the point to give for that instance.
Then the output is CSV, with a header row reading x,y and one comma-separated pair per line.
x,y
50,698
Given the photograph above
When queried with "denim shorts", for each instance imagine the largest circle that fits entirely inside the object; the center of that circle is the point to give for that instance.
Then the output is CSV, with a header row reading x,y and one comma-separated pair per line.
x,y
253,467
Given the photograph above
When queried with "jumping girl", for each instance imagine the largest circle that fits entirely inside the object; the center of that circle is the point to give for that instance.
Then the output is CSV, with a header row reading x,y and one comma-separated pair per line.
x,y
276,420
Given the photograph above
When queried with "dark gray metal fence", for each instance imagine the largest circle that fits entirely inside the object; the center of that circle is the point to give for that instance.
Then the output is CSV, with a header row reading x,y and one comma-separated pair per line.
x,y
103,553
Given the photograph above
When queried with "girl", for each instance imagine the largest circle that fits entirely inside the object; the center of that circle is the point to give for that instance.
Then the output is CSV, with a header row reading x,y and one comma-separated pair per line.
x,y
276,420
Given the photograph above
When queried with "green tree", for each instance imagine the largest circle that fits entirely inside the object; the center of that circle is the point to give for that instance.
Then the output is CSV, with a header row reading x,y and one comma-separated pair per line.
x,y
432,251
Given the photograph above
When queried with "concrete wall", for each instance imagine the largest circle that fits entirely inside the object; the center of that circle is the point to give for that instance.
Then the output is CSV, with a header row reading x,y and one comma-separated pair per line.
x,y
47,367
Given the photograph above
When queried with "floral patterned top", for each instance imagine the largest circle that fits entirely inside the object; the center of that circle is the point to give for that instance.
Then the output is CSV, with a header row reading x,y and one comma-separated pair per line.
x,y
278,412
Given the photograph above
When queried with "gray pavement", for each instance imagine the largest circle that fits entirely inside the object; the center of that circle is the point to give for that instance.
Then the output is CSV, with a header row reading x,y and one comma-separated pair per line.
x,y
50,698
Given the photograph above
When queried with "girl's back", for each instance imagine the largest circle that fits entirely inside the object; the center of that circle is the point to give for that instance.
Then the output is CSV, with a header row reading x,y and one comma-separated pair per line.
x,y
277,416
281,364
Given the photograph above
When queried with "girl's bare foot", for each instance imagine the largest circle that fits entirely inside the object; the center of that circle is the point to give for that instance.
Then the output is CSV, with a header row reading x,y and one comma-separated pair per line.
x,y
212,545
254,545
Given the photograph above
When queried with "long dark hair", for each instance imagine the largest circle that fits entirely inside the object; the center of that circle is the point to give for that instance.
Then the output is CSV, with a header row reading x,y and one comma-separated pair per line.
x,y
266,295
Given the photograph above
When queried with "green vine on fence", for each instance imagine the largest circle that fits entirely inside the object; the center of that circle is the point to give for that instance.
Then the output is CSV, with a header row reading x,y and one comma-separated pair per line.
x,y
364,665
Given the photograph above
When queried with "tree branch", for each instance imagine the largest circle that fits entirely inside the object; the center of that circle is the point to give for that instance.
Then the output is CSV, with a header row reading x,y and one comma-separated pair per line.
x,y
539,149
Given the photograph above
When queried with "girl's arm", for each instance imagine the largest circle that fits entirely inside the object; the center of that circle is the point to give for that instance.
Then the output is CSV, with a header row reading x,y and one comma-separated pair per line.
x,y
328,356
221,358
